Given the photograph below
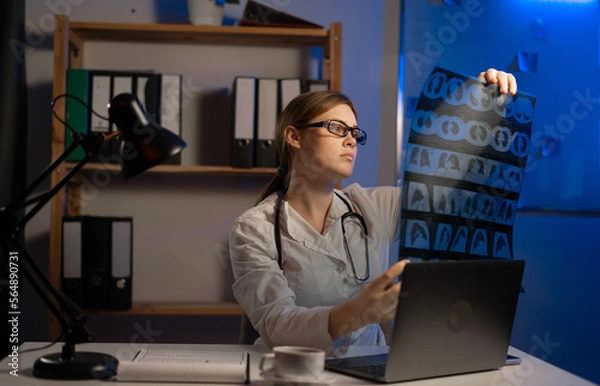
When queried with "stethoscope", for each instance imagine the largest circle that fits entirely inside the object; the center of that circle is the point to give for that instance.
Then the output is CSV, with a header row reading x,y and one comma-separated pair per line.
x,y
349,214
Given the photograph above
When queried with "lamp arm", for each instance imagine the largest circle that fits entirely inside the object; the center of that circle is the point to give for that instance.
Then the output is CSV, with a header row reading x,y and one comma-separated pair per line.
x,y
22,200
68,314
90,143
47,196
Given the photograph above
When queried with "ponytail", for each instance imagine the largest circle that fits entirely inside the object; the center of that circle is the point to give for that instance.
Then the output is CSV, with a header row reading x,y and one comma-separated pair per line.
x,y
277,183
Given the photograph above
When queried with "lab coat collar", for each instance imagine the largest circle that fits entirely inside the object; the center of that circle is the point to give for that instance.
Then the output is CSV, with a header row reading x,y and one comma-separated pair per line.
x,y
303,232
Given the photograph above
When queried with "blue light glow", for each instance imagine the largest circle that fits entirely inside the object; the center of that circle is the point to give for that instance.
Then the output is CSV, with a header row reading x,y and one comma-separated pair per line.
x,y
566,1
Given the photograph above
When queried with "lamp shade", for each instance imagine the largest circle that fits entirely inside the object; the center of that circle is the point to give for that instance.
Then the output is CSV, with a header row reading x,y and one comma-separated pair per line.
x,y
144,143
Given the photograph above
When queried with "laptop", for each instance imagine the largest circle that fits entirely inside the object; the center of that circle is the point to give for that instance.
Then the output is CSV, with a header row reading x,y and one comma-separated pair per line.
x,y
453,317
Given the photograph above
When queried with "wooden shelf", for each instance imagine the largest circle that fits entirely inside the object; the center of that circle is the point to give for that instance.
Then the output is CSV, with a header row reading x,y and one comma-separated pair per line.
x,y
174,308
69,52
183,33
184,169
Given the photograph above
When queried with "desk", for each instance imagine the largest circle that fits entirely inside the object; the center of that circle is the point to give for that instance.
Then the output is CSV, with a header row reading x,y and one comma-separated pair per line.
x,y
531,372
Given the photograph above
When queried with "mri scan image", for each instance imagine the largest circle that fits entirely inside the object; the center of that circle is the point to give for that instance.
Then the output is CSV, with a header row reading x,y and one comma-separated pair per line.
x,y
465,164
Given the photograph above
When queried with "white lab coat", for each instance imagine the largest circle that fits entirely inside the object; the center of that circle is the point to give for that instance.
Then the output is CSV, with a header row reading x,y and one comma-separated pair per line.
x,y
291,307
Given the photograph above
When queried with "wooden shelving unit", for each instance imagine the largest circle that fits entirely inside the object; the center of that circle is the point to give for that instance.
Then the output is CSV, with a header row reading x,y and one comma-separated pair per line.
x,y
185,169
69,51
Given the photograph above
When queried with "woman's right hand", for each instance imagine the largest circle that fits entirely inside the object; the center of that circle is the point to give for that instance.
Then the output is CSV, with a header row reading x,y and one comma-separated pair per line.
x,y
375,303
505,80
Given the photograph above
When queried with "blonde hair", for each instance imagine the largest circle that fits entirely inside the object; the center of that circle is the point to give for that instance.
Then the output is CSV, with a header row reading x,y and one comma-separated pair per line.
x,y
299,111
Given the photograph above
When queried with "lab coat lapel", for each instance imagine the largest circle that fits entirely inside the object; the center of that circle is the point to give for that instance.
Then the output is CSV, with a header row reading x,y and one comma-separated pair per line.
x,y
303,232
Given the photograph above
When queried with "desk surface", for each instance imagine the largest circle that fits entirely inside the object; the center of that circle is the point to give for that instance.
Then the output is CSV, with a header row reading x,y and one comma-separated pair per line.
x,y
531,371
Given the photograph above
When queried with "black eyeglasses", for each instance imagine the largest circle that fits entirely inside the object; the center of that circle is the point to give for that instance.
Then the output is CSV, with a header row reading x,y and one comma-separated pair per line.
x,y
339,129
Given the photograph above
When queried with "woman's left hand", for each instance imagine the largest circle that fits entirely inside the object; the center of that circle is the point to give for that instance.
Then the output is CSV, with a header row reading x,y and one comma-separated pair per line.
x,y
506,81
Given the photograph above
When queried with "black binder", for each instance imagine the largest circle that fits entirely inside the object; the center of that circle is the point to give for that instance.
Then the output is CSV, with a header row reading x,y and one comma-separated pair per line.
x,y
100,96
121,82
72,249
96,260
289,88
244,119
170,108
266,122
148,92
120,273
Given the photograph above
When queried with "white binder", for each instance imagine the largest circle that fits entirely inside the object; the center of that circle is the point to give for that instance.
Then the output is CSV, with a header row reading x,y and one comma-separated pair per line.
x,y
266,121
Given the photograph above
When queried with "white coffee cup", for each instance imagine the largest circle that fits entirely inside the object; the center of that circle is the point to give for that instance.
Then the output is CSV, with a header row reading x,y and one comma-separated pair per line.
x,y
294,362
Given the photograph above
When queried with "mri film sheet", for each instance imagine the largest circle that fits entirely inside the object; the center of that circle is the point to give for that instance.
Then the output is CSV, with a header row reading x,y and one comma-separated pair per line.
x,y
464,168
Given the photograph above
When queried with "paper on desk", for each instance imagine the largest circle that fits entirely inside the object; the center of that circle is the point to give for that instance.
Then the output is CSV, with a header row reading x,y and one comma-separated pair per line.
x,y
185,366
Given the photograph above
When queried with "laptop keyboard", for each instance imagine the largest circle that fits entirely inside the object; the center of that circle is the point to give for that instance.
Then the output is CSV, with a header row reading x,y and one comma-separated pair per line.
x,y
378,370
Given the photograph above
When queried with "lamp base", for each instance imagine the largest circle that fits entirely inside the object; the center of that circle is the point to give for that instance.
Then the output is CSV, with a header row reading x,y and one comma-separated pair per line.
x,y
82,365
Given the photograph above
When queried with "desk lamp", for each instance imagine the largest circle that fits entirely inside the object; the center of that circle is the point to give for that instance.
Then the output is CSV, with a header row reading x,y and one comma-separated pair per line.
x,y
144,144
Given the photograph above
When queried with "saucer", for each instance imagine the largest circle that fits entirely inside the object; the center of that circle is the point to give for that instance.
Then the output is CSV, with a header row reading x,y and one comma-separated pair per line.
x,y
323,380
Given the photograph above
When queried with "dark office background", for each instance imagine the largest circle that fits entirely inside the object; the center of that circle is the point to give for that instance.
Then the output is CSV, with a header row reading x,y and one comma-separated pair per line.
x,y
13,120
550,45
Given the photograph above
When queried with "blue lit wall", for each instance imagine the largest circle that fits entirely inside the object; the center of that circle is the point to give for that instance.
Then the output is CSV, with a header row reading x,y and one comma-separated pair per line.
x,y
565,36
555,230
561,38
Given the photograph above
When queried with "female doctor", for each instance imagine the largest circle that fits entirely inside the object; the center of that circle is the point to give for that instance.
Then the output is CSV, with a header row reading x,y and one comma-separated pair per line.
x,y
310,262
